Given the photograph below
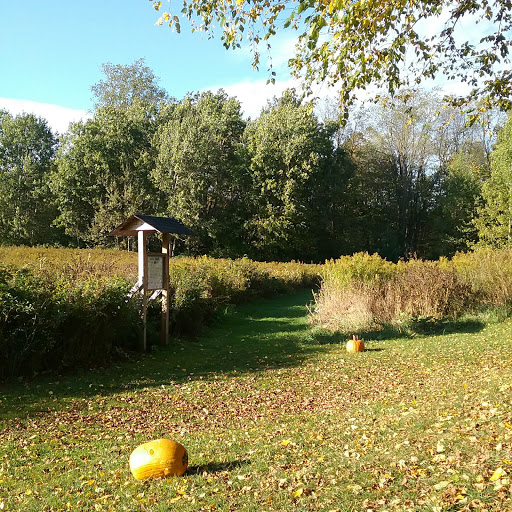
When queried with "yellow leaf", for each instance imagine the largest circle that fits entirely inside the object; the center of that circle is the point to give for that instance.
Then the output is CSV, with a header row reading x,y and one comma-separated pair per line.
x,y
298,493
286,442
497,475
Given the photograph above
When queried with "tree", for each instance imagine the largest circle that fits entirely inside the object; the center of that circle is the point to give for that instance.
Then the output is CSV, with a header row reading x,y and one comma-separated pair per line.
x,y
370,209
494,219
27,151
102,172
202,171
457,197
406,127
298,179
360,43
402,170
125,85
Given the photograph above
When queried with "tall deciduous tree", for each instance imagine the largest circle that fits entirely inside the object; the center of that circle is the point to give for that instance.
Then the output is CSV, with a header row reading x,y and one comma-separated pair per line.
x,y
406,128
202,172
371,208
102,172
297,182
388,44
494,221
125,85
27,151
416,179
458,191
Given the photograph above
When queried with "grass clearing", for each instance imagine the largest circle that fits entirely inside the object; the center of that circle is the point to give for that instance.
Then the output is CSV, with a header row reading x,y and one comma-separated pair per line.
x,y
272,420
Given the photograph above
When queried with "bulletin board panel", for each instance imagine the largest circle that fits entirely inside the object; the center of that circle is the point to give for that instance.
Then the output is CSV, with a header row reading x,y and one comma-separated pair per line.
x,y
156,271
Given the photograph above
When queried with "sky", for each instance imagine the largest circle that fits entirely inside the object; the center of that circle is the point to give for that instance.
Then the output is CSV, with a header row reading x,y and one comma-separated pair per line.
x,y
51,54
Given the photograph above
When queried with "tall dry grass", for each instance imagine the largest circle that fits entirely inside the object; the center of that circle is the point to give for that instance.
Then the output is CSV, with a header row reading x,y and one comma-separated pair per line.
x,y
366,292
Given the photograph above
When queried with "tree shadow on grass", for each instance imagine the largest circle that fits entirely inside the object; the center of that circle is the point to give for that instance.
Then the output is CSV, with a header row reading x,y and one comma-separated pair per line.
x,y
435,327
421,326
254,337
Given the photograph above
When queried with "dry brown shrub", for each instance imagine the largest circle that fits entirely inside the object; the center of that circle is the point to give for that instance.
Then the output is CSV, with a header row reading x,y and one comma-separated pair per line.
x,y
419,289
424,289
349,309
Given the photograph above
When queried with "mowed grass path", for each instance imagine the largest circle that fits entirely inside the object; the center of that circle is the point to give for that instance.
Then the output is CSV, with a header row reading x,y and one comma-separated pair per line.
x,y
272,421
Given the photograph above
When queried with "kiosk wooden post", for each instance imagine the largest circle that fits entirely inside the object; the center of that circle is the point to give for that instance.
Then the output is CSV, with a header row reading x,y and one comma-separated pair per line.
x,y
143,281
165,291
153,267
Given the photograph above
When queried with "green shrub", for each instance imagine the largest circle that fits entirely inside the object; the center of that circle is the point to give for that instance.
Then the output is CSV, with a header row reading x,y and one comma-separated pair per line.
x,y
359,268
489,273
26,314
53,321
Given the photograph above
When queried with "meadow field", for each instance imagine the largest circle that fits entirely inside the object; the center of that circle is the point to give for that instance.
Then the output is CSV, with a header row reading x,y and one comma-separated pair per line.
x,y
66,308
273,419
257,384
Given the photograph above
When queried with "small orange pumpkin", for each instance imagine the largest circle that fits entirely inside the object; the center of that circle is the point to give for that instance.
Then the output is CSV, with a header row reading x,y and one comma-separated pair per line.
x,y
355,345
158,458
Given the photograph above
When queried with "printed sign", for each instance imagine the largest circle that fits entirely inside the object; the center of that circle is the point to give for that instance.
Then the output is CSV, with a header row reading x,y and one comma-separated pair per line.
x,y
155,272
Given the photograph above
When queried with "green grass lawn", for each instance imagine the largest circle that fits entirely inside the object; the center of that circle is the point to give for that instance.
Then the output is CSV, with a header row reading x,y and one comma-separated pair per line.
x,y
272,420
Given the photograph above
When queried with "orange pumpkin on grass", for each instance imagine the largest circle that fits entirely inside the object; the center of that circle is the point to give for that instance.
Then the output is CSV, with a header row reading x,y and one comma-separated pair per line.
x,y
158,458
355,345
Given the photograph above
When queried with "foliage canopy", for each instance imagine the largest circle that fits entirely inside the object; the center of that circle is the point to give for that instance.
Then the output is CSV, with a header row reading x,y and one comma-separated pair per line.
x,y
355,44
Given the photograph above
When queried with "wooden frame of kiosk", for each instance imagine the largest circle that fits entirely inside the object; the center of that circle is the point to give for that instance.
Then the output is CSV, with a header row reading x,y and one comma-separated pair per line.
x,y
153,267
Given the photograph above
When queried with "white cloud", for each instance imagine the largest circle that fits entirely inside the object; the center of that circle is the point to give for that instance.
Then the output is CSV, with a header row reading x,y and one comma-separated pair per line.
x,y
58,117
254,96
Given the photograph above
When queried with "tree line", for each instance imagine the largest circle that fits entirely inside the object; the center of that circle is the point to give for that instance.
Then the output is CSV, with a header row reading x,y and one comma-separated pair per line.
x,y
406,177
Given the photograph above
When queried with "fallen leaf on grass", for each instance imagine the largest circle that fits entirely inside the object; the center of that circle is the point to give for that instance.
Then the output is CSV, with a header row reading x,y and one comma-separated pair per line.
x,y
298,492
498,473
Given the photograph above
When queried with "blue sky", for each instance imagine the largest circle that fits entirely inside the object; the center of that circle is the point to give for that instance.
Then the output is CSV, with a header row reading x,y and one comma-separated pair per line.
x,y
51,53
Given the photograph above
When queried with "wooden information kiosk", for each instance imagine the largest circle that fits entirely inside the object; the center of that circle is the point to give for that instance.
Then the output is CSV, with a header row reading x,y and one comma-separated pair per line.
x,y
153,267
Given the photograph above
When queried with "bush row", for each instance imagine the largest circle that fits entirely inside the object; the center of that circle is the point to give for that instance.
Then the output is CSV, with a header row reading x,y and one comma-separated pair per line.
x,y
51,322
365,292
200,285
62,309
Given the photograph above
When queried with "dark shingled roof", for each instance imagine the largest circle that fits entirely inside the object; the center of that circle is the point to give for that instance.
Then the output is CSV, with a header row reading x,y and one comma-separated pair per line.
x,y
160,224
